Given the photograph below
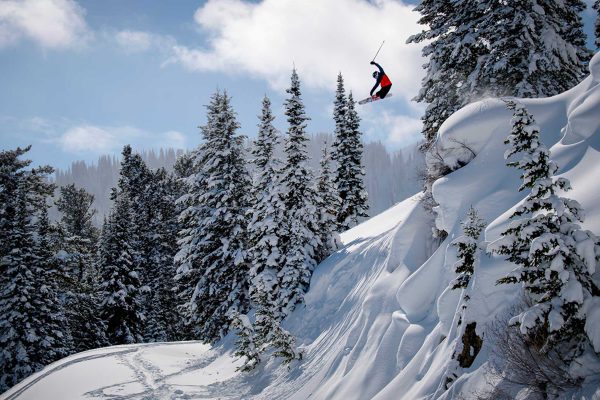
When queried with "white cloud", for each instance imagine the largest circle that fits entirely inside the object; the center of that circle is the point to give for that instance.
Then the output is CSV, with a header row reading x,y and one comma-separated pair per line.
x,y
86,138
321,38
395,130
174,139
52,24
108,139
134,41
139,41
403,129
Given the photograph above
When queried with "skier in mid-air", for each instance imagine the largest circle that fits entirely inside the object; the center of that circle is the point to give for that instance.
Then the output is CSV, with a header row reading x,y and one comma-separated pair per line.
x,y
383,80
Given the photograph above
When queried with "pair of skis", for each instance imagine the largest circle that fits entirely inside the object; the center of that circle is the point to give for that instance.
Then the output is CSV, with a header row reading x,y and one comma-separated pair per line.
x,y
372,99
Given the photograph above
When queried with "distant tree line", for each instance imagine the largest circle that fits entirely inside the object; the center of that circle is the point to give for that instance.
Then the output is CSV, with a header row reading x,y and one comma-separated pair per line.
x,y
390,176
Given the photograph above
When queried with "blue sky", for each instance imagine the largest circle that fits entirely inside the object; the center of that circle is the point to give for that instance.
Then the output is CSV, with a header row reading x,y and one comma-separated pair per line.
x,y
83,78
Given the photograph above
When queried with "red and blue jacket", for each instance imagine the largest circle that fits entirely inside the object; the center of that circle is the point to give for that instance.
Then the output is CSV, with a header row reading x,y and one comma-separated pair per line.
x,y
382,79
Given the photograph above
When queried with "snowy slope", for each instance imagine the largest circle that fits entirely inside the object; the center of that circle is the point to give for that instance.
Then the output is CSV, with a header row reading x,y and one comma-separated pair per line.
x,y
380,320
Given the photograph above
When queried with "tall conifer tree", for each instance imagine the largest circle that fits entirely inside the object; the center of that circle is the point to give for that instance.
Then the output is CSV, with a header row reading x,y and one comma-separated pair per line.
x,y
549,247
212,261
267,225
350,172
302,242
162,317
33,331
79,275
121,287
328,204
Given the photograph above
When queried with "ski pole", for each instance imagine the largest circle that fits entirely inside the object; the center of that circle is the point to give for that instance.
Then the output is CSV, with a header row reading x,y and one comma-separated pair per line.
x,y
378,50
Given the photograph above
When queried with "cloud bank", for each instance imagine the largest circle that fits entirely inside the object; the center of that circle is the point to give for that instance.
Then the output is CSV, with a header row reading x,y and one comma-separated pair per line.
x,y
133,41
95,139
51,24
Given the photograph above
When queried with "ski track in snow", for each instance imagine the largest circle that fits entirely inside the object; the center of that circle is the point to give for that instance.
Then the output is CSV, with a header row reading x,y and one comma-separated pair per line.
x,y
147,381
155,383
50,370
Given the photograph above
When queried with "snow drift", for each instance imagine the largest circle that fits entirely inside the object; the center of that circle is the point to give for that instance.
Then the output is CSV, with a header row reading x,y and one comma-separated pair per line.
x,y
380,318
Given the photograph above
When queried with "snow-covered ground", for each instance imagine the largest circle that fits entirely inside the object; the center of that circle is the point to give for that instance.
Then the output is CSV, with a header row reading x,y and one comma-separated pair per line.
x,y
379,320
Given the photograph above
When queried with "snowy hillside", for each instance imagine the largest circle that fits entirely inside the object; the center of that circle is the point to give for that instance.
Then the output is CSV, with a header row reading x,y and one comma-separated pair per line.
x,y
380,318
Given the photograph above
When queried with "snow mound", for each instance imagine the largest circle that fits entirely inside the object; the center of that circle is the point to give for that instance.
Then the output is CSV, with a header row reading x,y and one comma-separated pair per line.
x,y
380,320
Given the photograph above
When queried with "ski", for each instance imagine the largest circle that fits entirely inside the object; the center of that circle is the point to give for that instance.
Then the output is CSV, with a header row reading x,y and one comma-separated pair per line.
x,y
372,99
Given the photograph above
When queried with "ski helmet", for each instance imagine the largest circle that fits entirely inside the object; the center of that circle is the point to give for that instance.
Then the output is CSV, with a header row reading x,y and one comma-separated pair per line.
x,y
375,74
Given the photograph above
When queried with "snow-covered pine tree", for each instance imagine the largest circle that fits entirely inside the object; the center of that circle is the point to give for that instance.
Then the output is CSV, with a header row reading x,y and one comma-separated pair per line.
x,y
32,326
212,267
467,248
121,286
350,172
245,344
267,224
284,344
555,258
340,114
162,322
184,176
520,59
302,243
53,330
79,275
135,185
328,204
79,235
468,343
452,50
267,329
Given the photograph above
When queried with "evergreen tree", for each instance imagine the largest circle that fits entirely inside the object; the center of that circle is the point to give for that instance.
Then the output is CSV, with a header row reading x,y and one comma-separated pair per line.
x,y
212,267
452,53
245,344
268,332
79,276
340,114
162,319
17,337
284,344
550,249
467,246
53,329
302,241
184,172
327,206
350,172
135,187
519,59
267,225
79,235
32,323
121,288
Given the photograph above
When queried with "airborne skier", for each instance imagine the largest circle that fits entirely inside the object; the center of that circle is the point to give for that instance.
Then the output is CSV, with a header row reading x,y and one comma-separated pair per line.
x,y
383,80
